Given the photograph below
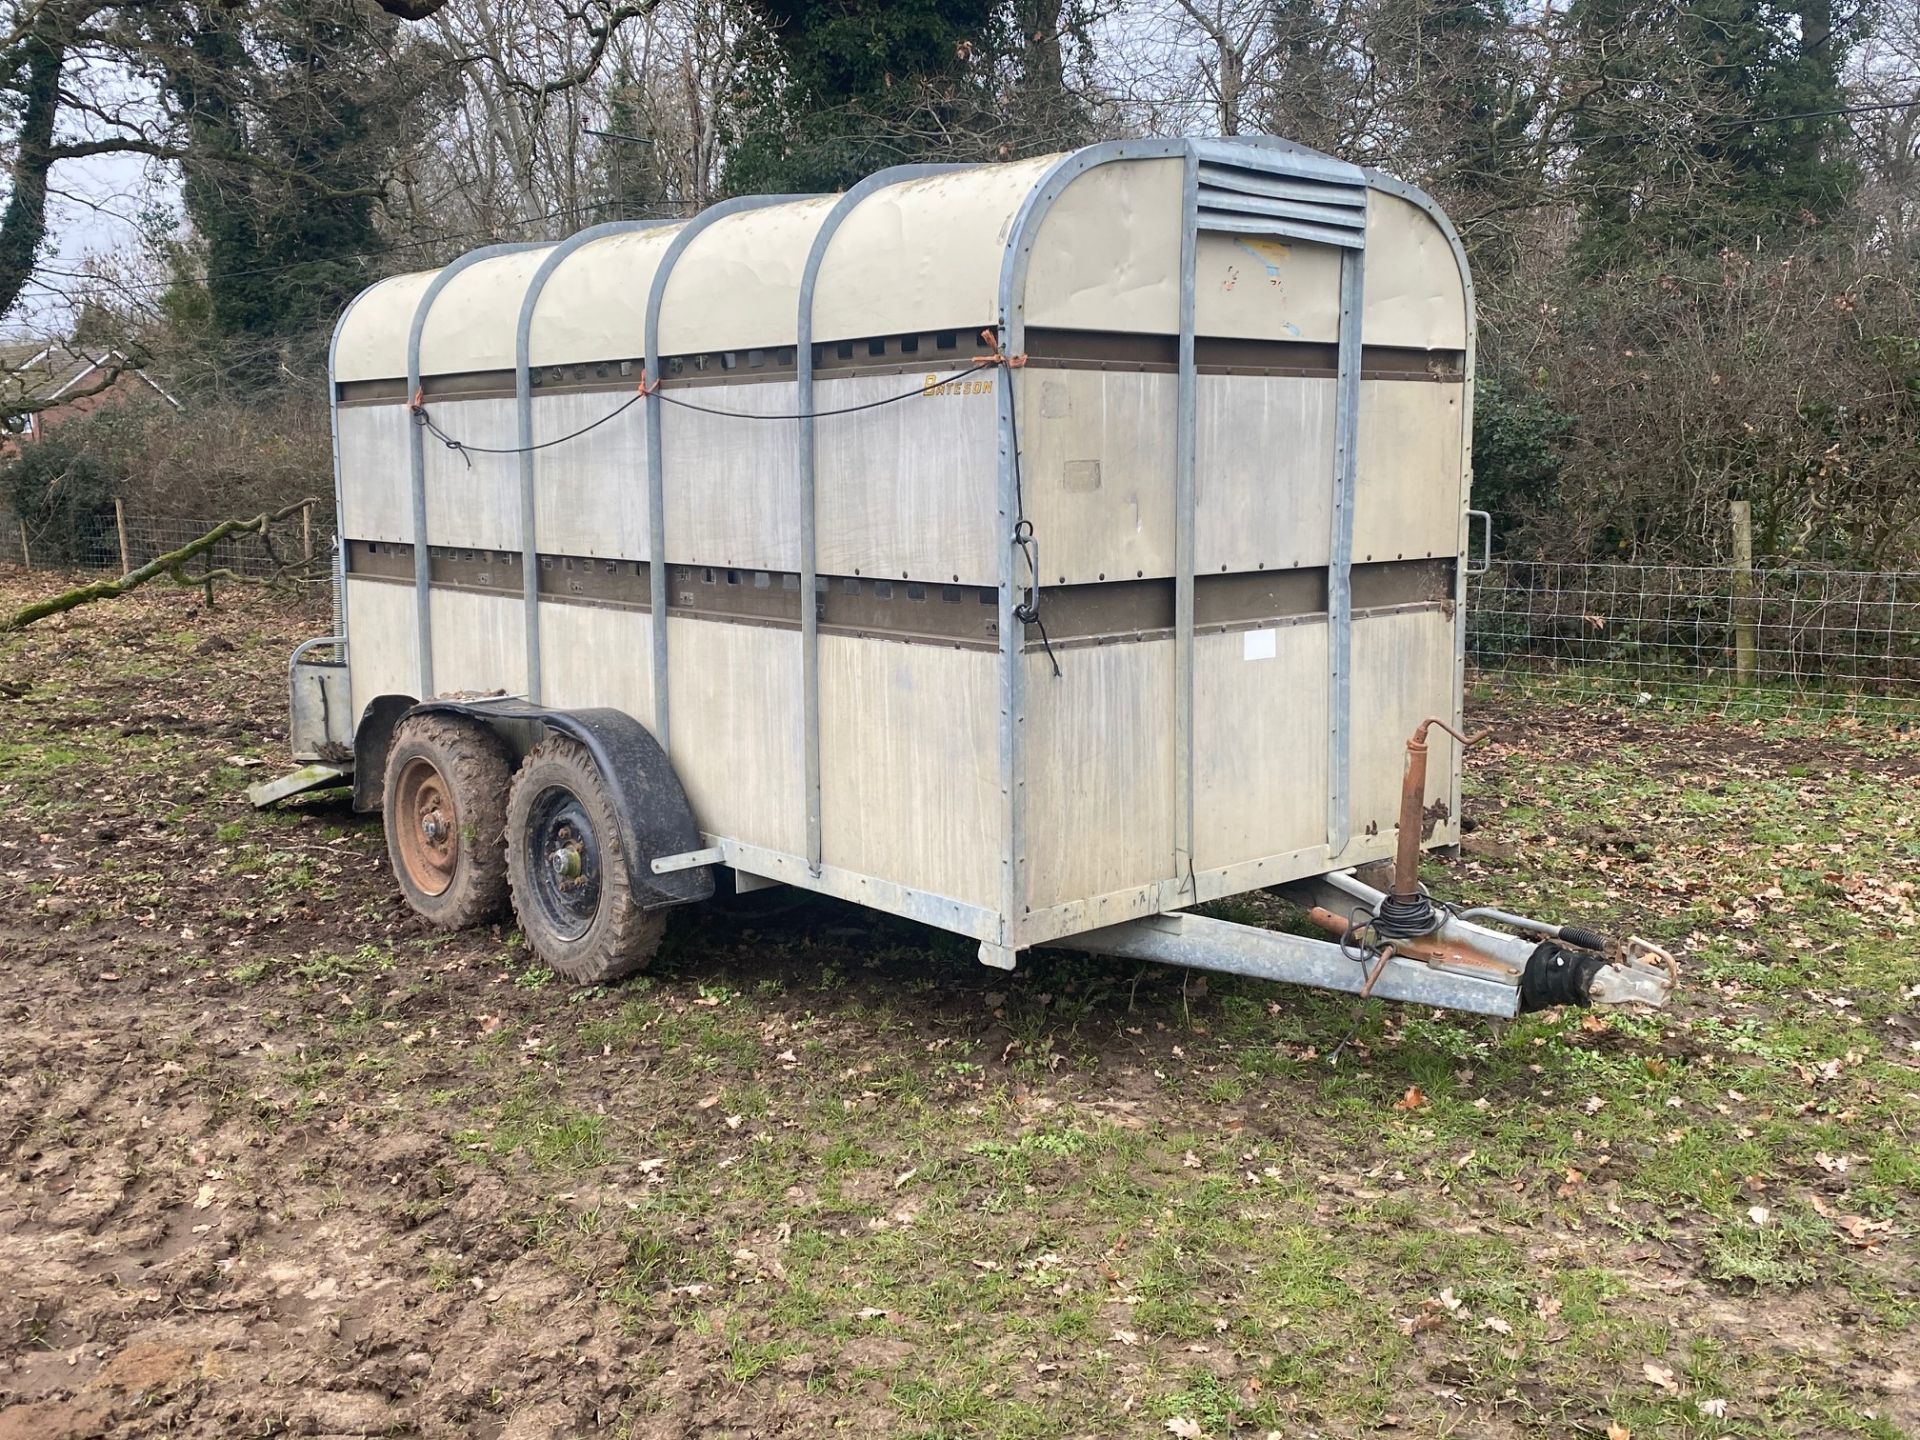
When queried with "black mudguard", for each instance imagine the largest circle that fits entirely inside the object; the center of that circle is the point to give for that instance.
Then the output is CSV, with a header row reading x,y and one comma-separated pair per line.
x,y
655,818
372,738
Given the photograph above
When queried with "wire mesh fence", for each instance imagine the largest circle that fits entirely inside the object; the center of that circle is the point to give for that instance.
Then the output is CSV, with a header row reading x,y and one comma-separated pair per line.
x,y
1710,635
1699,634
118,542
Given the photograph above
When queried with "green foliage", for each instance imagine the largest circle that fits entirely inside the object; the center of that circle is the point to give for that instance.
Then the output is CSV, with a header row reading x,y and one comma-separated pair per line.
x,y
843,89
64,496
631,157
838,85
293,113
1517,436
1675,152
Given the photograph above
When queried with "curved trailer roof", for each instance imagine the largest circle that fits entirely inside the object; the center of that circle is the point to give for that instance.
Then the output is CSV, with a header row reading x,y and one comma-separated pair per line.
x,y
928,253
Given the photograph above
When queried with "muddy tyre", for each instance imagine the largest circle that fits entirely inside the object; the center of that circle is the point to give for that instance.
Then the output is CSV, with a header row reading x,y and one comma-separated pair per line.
x,y
445,807
568,870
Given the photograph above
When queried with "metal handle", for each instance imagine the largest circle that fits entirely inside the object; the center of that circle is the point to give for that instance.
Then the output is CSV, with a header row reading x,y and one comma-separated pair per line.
x,y
1486,548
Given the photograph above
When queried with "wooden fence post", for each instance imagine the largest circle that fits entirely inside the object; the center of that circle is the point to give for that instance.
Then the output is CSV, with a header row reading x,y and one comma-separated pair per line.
x,y
1745,629
26,554
306,532
120,524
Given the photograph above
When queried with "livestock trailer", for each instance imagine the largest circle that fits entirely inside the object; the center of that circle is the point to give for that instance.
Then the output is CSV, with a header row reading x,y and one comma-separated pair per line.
x,y
1035,550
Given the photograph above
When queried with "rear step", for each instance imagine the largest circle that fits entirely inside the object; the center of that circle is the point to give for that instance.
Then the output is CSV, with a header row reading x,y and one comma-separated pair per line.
x,y
307,777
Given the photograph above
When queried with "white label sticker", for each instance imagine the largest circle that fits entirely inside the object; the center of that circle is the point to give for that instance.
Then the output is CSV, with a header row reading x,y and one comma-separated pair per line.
x,y
1257,644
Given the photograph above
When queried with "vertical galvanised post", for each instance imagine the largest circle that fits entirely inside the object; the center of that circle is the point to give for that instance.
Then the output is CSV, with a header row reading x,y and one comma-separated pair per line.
x,y
417,454
1185,504
656,472
809,514
1013,632
1346,446
523,430
1417,197
339,482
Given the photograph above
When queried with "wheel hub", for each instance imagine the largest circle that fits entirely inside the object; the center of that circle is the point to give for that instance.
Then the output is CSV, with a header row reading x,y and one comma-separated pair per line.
x,y
566,882
427,826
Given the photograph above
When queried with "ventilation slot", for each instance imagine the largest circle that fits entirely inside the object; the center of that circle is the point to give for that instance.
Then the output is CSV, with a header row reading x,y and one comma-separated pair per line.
x,y
1249,202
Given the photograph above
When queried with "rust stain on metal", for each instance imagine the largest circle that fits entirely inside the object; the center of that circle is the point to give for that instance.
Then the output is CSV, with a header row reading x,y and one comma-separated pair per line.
x,y
1413,798
1425,949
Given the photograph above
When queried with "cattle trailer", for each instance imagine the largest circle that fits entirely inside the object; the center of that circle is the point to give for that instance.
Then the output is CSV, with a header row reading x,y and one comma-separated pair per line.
x,y
1034,550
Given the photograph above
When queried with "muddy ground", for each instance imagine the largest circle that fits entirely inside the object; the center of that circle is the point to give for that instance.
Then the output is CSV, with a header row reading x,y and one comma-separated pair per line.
x,y
277,1161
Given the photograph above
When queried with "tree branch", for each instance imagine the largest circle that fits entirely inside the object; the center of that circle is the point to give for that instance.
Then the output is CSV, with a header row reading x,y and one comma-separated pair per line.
x,y
171,566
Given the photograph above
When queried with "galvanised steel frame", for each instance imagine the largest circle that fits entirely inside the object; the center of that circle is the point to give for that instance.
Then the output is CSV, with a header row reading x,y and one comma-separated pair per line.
x,y
1002,933
417,453
656,472
523,425
809,516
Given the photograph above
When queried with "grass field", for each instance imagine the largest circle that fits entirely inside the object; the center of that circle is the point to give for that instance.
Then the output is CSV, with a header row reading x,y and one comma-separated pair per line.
x,y
277,1161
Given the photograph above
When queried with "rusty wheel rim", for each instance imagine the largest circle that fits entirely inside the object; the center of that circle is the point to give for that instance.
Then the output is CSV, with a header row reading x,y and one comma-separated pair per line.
x,y
426,824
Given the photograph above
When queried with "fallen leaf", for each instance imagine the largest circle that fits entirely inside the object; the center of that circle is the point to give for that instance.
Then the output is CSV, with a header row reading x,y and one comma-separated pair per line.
x,y
1758,1214
1126,1337
1862,1231
1661,1376
1497,1325
1617,1431
1412,1100
1717,1409
1186,1429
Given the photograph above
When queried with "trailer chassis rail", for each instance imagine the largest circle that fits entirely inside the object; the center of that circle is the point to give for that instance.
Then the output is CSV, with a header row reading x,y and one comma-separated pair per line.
x,y
1457,965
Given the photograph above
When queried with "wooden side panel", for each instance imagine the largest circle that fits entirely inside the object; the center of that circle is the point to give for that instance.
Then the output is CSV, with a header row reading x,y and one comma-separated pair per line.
x,y
594,655
376,492
590,493
1402,673
910,766
1263,472
1099,770
1096,461
383,656
479,643
732,485
1260,743
473,504
734,693
1407,492
906,490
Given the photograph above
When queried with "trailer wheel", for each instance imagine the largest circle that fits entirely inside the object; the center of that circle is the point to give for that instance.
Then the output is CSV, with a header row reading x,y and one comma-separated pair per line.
x,y
445,807
568,872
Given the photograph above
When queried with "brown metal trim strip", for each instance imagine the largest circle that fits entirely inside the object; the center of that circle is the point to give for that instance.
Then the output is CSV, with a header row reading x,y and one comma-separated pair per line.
x,y
936,350
913,612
